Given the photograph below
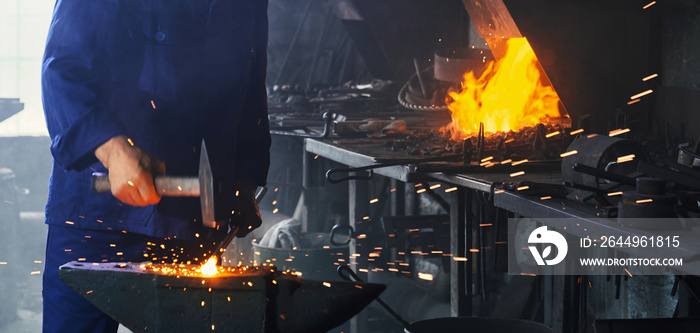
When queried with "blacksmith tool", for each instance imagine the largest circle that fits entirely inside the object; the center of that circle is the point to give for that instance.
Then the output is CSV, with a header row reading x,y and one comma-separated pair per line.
x,y
369,168
201,186
234,230
154,298
347,274
289,130
530,188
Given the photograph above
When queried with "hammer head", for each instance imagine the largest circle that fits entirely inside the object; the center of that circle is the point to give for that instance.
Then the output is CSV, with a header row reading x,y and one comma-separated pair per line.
x,y
206,189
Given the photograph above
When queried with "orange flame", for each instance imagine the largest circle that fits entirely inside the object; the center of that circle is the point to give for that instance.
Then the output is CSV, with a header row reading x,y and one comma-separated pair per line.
x,y
209,267
509,95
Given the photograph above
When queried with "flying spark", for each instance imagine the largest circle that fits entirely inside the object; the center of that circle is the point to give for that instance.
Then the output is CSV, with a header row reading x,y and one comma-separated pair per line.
x,y
625,158
642,94
650,77
569,153
425,276
618,132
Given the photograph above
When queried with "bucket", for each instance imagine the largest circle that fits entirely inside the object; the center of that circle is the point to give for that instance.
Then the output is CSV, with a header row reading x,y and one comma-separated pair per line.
x,y
314,256
477,325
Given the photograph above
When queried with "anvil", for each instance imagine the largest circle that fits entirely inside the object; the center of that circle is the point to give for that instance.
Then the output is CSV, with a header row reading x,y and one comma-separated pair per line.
x,y
254,299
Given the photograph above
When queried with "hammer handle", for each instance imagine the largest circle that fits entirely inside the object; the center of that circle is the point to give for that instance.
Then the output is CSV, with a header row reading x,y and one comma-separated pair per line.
x,y
165,185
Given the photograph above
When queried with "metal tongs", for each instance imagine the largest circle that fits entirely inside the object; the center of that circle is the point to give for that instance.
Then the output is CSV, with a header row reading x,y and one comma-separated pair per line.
x,y
347,274
370,168
232,233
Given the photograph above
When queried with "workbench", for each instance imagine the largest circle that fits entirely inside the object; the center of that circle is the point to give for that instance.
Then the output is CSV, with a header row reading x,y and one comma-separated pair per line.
x,y
562,288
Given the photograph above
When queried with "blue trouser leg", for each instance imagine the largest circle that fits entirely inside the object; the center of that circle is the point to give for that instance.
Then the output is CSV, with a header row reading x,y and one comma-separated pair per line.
x,y
64,310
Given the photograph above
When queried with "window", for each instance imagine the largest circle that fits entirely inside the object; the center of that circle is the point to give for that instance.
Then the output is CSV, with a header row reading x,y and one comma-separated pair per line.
x,y
23,28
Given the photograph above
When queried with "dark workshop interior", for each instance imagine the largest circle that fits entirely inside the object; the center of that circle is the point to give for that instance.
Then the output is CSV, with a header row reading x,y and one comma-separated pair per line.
x,y
403,155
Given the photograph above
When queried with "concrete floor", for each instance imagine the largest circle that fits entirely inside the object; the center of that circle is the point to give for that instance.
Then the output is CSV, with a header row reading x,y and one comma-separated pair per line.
x,y
30,322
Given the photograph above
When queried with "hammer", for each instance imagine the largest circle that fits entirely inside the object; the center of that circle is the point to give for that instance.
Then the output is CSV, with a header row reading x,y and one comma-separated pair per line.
x,y
201,186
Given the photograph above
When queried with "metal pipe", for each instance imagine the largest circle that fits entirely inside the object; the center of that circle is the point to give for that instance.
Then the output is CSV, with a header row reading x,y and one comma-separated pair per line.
x,y
420,78
314,62
294,41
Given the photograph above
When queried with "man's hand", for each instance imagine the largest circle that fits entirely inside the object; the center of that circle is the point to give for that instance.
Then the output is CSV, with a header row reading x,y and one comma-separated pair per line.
x,y
245,210
131,171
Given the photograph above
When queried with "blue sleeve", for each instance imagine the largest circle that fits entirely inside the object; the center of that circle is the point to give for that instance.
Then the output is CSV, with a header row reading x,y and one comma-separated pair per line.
x,y
253,151
76,73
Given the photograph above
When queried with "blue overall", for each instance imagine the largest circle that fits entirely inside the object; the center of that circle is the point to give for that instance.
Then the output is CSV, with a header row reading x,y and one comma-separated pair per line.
x,y
166,74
